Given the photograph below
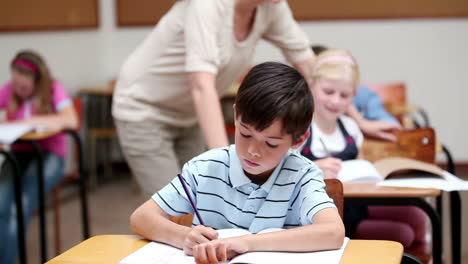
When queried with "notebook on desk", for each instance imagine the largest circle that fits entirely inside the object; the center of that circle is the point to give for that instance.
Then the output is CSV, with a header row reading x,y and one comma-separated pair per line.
x,y
10,132
156,253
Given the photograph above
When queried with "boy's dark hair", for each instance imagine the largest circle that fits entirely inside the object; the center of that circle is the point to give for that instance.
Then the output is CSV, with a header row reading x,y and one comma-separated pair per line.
x,y
271,91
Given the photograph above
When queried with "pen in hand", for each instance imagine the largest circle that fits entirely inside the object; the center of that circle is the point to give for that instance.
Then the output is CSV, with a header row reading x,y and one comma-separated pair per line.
x,y
187,191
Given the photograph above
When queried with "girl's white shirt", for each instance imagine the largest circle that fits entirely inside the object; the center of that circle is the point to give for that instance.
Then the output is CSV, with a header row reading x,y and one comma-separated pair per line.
x,y
334,142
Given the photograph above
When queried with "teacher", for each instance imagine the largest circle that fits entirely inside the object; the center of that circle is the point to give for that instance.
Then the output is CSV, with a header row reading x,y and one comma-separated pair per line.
x,y
166,103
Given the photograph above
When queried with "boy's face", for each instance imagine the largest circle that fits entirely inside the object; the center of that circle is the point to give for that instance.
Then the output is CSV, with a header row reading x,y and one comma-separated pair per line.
x,y
332,97
261,151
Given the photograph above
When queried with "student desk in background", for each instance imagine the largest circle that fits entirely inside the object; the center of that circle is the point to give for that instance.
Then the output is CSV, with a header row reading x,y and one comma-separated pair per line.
x,y
371,194
113,248
99,127
32,138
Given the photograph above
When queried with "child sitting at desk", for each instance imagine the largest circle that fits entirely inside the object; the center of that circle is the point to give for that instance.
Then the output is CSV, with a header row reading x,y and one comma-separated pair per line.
x,y
368,111
336,137
31,97
257,183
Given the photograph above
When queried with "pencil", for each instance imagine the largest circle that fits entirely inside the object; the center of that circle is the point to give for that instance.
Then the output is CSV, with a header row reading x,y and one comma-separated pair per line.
x,y
182,181
325,147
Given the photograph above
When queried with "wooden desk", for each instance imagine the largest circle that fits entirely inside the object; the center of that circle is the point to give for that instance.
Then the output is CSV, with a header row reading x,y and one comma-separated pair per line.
x,y
371,194
113,248
98,90
39,135
370,189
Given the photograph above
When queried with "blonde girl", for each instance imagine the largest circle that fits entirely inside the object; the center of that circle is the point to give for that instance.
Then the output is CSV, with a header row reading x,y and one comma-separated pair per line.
x,y
336,138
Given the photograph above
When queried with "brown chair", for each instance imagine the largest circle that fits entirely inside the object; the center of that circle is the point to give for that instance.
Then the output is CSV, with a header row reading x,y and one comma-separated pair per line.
x,y
393,96
334,190
417,144
390,93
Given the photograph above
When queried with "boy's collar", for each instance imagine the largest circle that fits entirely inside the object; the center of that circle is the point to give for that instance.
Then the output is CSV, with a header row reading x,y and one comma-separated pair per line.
x,y
238,177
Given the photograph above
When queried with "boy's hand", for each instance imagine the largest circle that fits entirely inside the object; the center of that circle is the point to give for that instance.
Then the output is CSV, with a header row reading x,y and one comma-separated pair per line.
x,y
214,251
330,167
198,235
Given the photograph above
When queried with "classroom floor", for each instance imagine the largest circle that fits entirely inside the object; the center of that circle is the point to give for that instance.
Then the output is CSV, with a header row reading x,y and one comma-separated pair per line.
x,y
112,202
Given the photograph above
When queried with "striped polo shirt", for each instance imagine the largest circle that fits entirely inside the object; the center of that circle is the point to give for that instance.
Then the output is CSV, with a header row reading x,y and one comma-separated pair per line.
x,y
226,198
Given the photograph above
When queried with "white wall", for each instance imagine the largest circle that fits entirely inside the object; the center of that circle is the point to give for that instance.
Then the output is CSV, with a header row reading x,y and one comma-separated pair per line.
x,y
429,55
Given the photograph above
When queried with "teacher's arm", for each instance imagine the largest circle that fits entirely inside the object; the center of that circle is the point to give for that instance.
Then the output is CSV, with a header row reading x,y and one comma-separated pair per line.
x,y
208,109
305,68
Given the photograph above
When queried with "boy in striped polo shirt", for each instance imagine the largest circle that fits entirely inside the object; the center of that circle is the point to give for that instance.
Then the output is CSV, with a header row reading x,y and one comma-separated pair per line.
x,y
258,183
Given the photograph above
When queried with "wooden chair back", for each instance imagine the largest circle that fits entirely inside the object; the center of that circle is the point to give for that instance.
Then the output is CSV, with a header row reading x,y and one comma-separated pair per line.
x,y
78,105
334,190
390,93
419,144
393,96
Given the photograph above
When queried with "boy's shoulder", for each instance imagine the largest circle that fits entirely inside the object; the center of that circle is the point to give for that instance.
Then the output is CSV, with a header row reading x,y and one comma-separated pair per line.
x,y
296,161
214,163
215,155
298,169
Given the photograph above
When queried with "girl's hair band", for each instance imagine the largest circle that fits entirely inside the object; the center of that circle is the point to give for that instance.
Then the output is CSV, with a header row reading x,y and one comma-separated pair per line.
x,y
337,58
27,65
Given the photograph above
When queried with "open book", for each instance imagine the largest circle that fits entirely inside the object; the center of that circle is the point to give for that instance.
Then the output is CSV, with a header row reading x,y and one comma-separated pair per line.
x,y
400,172
155,252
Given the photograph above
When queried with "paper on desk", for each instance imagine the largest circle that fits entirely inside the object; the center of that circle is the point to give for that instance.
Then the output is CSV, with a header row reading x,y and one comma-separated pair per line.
x,y
9,132
328,256
159,253
450,183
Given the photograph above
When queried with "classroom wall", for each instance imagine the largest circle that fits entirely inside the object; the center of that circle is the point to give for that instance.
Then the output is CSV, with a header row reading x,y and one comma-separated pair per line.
x,y
430,55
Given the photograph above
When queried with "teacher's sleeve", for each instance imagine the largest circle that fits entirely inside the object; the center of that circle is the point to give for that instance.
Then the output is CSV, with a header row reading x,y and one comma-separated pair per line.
x,y
201,26
285,33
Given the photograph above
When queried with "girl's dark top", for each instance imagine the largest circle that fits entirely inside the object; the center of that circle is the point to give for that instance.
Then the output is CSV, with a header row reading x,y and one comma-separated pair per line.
x,y
348,153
